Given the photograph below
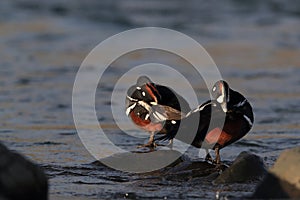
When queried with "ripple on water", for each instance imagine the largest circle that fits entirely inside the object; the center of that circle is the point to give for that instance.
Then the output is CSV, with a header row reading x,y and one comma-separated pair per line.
x,y
36,81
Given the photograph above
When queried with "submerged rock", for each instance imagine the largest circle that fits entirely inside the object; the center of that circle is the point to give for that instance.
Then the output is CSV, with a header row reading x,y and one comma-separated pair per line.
x,y
187,169
170,164
139,162
20,178
283,179
246,167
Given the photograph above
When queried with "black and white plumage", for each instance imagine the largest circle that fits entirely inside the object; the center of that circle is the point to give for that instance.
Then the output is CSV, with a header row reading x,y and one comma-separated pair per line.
x,y
221,121
151,106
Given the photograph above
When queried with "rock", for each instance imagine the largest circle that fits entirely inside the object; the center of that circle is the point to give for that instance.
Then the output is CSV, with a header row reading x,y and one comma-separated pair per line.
x,y
20,178
246,167
273,187
287,166
283,179
170,164
192,169
141,162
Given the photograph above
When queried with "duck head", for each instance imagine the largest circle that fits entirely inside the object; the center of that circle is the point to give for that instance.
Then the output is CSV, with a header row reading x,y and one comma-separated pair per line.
x,y
220,93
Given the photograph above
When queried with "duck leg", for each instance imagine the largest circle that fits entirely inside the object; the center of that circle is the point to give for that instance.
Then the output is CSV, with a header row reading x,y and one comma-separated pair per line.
x,y
218,158
208,156
150,143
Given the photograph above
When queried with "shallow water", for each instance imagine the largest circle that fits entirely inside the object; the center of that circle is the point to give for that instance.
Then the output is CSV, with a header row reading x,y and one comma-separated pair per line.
x,y
256,46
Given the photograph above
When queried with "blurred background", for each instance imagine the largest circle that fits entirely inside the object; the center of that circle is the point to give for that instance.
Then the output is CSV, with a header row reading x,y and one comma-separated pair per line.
x,y
255,44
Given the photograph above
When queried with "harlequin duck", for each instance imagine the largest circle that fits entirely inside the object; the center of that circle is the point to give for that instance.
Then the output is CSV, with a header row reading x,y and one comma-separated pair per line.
x,y
149,105
231,118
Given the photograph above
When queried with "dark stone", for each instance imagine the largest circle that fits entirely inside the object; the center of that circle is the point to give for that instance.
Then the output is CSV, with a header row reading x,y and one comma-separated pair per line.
x,y
168,163
20,178
272,187
141,162
246,167
283,179
186,170
287,166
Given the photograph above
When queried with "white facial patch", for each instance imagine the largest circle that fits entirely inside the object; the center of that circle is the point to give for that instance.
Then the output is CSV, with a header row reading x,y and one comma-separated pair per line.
x,y
220,99
173,122
128,110
214,88
138,88
143,93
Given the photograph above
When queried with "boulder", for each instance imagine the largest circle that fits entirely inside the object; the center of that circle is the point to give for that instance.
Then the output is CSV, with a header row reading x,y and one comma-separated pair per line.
x,y
20,178
141,162
246,167
187,169
170,164
283,179
287,166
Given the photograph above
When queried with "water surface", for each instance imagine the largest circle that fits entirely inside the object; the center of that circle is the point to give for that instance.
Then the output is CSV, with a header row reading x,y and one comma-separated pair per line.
x,y
255,45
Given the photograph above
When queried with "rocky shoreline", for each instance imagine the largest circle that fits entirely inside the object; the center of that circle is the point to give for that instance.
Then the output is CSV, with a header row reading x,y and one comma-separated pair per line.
x,y
282,180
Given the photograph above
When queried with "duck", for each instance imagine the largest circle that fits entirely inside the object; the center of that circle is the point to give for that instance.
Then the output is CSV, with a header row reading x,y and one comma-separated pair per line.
x,y
221,121
150,106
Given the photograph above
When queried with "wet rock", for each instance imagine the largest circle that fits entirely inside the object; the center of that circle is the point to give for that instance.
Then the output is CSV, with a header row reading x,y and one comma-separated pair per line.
x,y
184,169
246,167
20,178
283,179
141,162
188,169
167,163
287,166
273,187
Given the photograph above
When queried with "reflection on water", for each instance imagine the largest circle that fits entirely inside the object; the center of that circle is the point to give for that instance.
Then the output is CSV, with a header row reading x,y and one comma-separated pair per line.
x,y
255,45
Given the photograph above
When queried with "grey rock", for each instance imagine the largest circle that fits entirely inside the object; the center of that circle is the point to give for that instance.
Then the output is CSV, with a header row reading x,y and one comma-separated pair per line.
x,y
287,166
187,170
246,167
20,178
283,179
141,162
169,164
273,187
